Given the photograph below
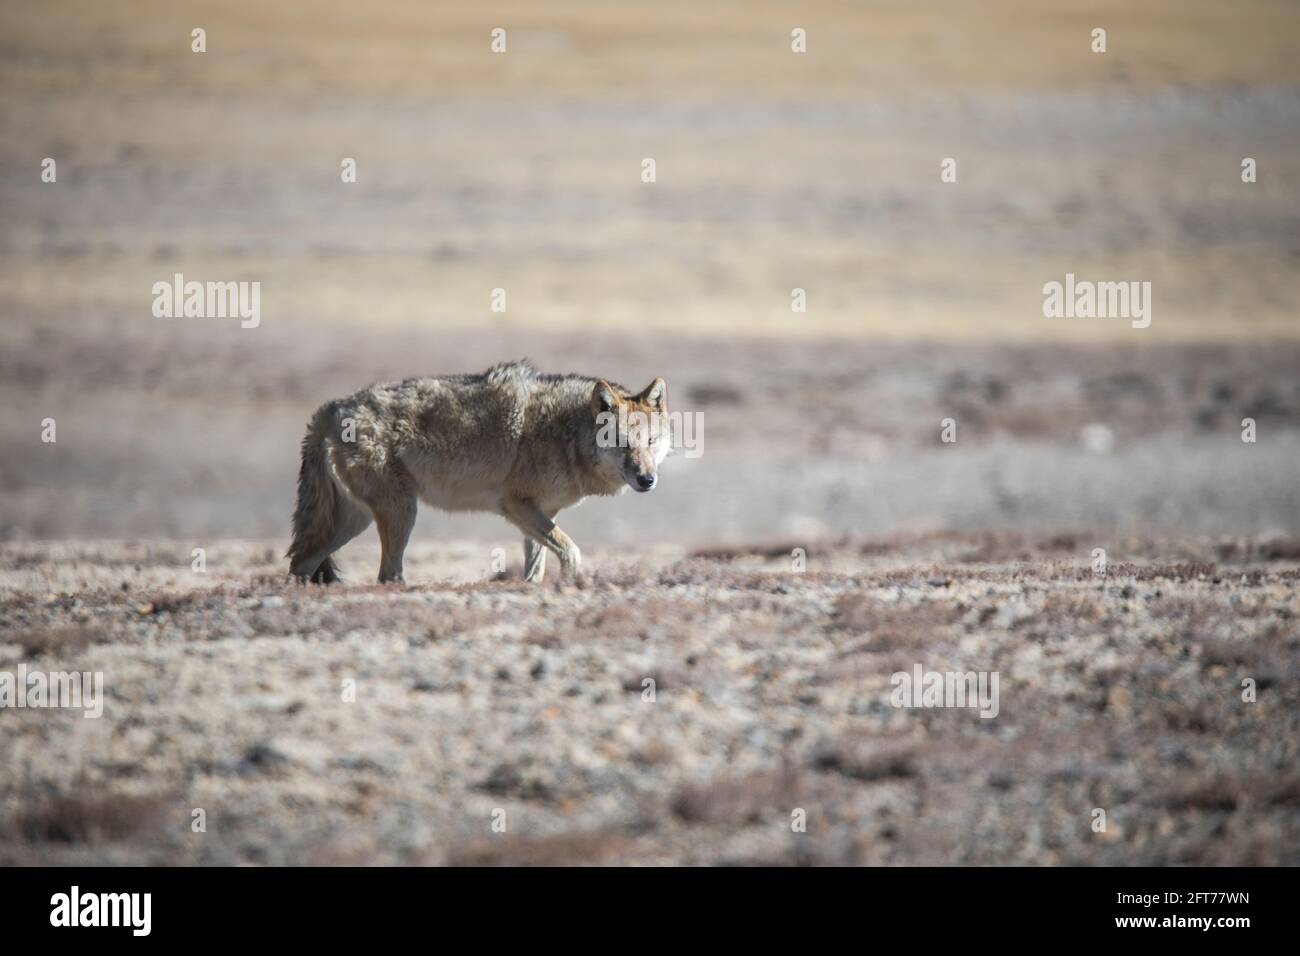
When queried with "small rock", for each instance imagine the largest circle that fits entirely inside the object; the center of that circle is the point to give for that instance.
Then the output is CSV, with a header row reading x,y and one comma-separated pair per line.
x,y
1120,701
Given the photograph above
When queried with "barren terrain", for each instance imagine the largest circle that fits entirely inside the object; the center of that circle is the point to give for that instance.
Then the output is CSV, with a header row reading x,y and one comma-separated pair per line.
x,y
225,692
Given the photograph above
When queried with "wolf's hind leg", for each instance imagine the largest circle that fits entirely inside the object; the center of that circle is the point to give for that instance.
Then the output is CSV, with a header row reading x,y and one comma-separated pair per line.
x,y
395,518
350,519
534,561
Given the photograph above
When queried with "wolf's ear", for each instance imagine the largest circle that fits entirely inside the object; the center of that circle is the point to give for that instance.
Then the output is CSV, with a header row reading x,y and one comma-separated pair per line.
x,y
603,398
656,396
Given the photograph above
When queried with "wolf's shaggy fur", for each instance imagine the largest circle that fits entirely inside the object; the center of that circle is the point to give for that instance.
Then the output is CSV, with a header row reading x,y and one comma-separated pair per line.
x,y
511,440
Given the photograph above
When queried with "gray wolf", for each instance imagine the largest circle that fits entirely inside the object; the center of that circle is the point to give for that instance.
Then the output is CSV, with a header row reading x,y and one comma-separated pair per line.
x,y
512,441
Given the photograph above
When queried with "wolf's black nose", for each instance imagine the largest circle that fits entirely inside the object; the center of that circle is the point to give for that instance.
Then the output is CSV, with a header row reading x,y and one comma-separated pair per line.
x,y
646,482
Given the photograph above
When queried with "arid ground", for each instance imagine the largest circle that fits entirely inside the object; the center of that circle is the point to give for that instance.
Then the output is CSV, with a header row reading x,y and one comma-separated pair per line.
x,y
367,724
493,700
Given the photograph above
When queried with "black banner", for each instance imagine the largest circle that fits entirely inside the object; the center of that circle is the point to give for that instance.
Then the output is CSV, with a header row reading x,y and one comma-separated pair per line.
x,y
334,906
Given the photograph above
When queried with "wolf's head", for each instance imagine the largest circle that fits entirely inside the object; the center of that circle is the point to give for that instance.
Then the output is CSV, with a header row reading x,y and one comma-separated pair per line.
x,y
633,434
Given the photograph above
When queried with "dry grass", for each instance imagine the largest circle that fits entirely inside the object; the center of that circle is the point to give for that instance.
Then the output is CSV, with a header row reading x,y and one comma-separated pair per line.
x,y
771,696
574,849
92,819
54,642
869,765
739,800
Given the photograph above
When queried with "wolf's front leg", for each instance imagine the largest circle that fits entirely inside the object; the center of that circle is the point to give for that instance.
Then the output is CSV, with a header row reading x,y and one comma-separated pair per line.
x,y
532,521
534,560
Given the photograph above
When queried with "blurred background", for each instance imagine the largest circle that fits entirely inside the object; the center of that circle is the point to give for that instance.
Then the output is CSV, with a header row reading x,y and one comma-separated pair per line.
x,y
775,171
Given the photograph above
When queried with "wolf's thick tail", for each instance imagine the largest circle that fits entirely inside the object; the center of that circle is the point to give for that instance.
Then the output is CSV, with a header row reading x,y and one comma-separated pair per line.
x,y
315,516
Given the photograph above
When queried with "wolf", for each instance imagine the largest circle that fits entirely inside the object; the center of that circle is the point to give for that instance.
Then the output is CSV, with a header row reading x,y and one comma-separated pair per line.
x,y
511,440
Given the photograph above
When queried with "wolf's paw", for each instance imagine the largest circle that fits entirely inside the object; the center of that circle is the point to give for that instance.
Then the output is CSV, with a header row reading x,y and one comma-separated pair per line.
x,y
571,560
